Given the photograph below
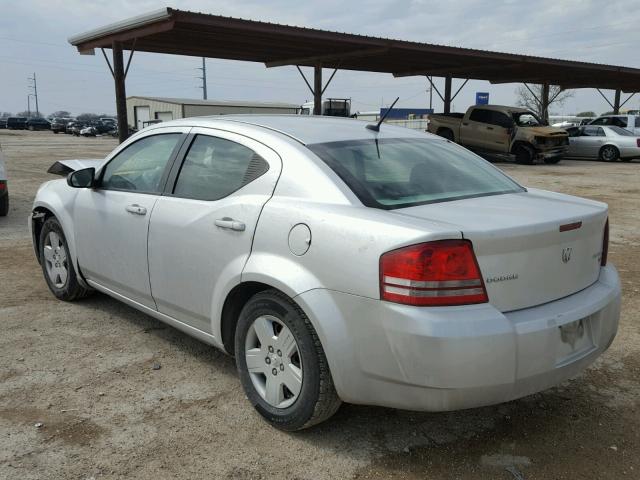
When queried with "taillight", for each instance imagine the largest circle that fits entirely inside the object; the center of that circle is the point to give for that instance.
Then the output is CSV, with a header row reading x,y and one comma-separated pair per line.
x,y
638,142
444,272
605,244
3,185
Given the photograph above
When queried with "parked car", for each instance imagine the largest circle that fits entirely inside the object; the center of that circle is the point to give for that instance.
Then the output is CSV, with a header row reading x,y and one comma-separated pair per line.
x,y
17,123
38,124
503,130
74,128
3,123
59,125
89,131
337,263
608,143
629,122
4,187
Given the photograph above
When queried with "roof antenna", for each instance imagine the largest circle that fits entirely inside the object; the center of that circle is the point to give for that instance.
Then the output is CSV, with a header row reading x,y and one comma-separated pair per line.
x,y
376,127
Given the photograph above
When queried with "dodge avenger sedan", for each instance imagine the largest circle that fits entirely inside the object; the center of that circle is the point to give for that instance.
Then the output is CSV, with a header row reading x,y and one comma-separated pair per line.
x,y
337,262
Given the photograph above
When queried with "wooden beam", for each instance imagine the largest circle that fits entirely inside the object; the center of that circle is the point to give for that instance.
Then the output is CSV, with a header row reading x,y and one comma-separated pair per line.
x,y
121,94
309,60
317,89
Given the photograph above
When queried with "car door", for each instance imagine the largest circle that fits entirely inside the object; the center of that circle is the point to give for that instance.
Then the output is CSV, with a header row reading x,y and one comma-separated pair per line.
x,y
575,141
473,130
201,229
591,141
112,220
497,131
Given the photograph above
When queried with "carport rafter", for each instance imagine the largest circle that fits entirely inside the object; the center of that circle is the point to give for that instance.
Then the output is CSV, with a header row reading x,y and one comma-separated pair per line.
x,y
212,36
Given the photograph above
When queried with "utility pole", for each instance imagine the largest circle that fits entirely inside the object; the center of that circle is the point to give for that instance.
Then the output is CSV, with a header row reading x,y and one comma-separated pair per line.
x,y
203,78
35,90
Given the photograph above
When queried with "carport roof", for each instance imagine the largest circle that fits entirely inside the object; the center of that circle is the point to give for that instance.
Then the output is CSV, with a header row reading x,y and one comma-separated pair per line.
x,y
223,103
197,34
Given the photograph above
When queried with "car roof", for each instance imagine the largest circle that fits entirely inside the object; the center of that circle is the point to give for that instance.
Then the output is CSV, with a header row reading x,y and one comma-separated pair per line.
x,y
306,129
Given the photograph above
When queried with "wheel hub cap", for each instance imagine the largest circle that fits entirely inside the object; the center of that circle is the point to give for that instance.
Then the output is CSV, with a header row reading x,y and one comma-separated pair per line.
x,y
55,260
273,361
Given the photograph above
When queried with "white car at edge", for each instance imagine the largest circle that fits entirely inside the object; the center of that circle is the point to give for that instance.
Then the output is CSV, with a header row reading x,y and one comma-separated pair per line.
x,y
336,262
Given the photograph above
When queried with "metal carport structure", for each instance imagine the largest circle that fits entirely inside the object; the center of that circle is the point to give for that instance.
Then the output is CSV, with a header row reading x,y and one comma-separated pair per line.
x,y
202,35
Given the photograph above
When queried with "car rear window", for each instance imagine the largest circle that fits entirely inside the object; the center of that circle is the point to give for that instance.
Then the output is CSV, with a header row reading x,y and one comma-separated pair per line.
x,y
399,172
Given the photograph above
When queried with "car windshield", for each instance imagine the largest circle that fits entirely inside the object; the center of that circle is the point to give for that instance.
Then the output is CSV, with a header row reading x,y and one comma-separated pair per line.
x,y
526,119
399,172
621,131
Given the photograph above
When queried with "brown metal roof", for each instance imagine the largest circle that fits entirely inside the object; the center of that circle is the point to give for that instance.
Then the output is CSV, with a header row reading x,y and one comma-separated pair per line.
x,y
197,34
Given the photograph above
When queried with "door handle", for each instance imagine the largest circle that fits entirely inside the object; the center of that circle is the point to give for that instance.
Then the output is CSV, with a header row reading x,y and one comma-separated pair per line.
x,y
465,123
230,224
136,209
489,128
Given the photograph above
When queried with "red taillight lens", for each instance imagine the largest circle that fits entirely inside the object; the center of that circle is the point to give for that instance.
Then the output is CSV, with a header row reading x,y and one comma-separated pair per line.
x,y
605,245
638,142
3,185
444,272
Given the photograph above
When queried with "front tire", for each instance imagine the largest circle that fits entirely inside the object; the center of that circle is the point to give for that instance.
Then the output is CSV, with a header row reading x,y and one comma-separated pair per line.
x,y
525,155
281,363
446,133
609,153
57,264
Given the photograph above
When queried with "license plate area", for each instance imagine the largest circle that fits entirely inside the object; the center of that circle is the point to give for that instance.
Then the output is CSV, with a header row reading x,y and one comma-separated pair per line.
x,y
574,341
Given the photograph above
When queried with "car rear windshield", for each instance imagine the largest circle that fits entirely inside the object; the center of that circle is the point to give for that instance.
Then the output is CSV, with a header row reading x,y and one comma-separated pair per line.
x,y
621,131
399,172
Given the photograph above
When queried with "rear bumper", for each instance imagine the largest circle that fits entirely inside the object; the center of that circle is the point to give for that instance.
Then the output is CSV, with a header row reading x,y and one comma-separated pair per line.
x,y
451,358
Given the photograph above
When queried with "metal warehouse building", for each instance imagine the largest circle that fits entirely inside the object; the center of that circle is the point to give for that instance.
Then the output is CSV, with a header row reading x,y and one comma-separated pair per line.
x,y
143,109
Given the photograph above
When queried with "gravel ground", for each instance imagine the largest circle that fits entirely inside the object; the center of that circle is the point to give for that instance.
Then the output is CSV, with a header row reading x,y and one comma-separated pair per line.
x,y
80,399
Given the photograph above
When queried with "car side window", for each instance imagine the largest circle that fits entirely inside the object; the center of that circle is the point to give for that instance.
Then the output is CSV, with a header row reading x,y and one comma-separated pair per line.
x,y
592,131
215,168
601,121
499,119
479,115
637,122
619,121
140,166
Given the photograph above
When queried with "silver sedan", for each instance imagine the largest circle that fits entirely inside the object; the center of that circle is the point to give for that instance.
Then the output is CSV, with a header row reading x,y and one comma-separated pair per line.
x,y
607,143
337,262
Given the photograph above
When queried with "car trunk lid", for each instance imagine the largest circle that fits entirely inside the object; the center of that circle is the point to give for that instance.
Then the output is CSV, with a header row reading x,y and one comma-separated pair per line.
x,y
532,247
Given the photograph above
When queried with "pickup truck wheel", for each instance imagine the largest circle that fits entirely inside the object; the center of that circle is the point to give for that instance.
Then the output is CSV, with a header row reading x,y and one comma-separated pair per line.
x,y
524,155
609,153
552,160
446,133
281,363
57,265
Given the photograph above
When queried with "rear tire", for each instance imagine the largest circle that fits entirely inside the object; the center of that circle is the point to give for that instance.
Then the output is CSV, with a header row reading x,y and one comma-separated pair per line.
x,y
4,205
446,133
57,264
609,153
273,327
524,154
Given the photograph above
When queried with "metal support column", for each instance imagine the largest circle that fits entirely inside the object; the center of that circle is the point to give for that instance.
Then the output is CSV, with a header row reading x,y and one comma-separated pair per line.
x,y
616,102
544,102
121,94
447,94
317,89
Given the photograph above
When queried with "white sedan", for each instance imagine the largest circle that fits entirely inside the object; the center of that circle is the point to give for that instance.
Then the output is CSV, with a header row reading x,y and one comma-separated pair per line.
x,y
337,262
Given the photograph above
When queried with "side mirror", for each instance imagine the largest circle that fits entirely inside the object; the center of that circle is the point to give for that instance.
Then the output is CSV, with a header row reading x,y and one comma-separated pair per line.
x,y
82,178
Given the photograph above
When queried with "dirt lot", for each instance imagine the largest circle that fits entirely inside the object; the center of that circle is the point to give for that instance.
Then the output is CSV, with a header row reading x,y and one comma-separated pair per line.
x,y
84,371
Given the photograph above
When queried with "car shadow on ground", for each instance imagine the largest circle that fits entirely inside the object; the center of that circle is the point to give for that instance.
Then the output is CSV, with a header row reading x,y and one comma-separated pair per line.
x,y
539,435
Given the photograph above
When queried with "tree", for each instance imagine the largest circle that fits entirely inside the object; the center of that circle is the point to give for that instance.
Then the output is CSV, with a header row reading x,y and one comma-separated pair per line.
x,y
29,114
586,114
532,99
87,117
6,114
60,114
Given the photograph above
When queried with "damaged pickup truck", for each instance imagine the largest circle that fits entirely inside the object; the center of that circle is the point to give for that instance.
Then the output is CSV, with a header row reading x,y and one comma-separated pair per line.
x,y
496,129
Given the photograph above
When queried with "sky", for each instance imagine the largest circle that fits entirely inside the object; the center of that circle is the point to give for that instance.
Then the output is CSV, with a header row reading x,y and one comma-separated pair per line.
x,y
34,33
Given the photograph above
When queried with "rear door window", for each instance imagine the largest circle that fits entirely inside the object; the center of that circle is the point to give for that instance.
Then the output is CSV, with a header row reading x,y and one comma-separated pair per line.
x,y
215,168
397,172
480,115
